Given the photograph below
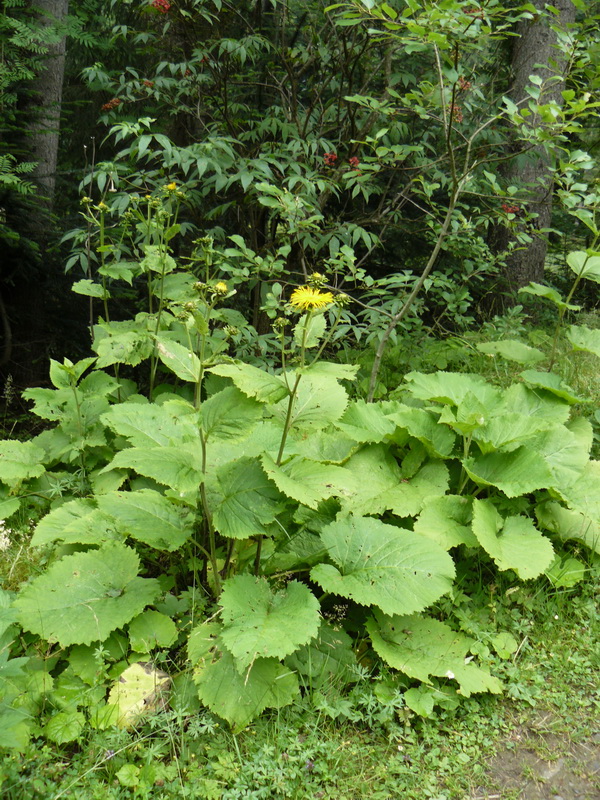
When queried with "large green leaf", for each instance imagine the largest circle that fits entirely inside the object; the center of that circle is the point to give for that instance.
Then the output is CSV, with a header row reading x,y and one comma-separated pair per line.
x,y
319,401
230,414
329,658
149,517
550,294
118,343
378,564
512,350
584,494
146,425
178,467
75,522
451,387
254,382
238,698
420,647
447,520
514,543
261,623
521,399
552,383
583,338
151,629
365,422
179,359
585,263
386,489
308,481
565,449
330,445
518,472
309,330
568,524
509,431
244,500
19,461
425,427
84,597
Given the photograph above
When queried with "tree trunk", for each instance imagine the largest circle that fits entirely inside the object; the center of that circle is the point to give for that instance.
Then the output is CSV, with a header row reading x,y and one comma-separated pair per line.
x,y
535,52
44,132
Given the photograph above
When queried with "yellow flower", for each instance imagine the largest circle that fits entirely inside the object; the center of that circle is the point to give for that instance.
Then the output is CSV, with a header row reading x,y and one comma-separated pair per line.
x,y
171,187
305,298
221,287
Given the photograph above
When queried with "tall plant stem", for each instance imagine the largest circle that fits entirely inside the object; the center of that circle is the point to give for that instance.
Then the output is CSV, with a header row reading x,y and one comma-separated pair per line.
x,y
411,297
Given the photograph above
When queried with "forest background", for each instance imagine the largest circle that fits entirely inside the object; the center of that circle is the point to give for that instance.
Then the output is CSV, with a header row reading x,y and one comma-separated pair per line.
x,y
306,243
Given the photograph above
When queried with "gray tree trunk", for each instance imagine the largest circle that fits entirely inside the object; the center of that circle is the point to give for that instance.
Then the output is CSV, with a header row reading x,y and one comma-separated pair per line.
x,y
45,130
535,52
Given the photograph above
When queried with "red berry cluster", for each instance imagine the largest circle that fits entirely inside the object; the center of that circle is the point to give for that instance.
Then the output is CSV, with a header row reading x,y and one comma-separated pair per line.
x,y
354,162
330,159
475,12
161,5
149,84
508,209
463,84
111,104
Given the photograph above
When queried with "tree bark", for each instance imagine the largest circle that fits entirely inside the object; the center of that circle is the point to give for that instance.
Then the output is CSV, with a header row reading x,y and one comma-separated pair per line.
x,y
44,133
535,52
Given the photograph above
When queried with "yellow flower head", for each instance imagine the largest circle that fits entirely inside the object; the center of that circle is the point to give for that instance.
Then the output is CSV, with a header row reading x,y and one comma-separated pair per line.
x,y
221,287
305,298
171,187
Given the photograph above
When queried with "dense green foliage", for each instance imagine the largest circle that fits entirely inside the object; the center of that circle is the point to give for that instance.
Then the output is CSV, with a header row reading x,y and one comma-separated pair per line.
x,y
235,502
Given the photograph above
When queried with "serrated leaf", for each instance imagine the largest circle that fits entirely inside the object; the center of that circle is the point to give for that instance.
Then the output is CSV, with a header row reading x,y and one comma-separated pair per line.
x,y
19,461
585,265
245,500
504,644
82,598
583,338
447,520
329,659
254,382
365,422
509,431
552,383
514,543
421,424
308,481
151,629
420,647
518,472
397,570
149,517
149,425
261,623
584,493
565,449
177,467
566,572
550,294
386,489
240,698
179,359
521,399
230,414
66,726
512,350
141,689
451,387
319,401
125,347
569,524
75,522
329,446
309,330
